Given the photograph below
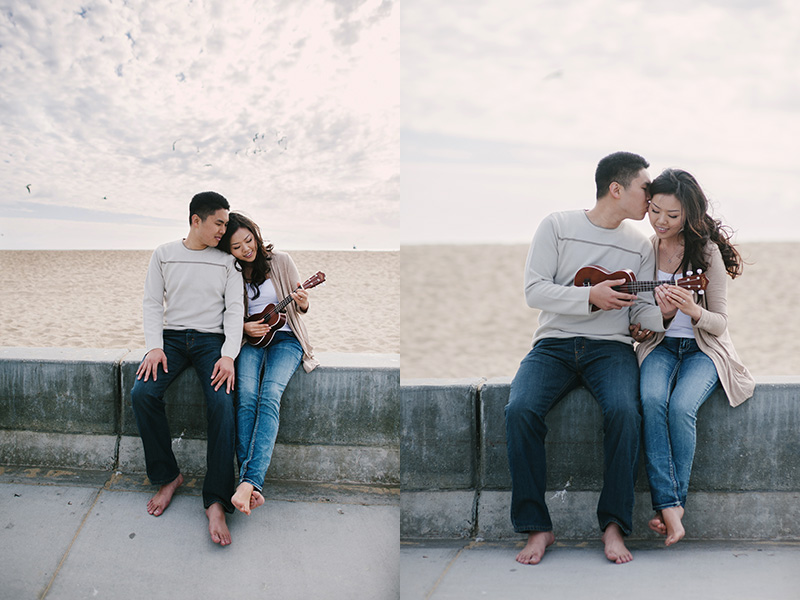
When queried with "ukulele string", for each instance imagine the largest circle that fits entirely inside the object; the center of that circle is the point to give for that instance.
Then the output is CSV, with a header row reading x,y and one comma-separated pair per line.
x,y
645,286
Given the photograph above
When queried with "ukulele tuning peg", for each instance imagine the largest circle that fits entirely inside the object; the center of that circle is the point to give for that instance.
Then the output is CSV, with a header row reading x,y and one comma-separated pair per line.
x,y
701,292
699,271
689,273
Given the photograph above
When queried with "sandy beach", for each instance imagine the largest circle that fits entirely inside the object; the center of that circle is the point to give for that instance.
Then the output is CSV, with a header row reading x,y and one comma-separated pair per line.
x,y
462,312
93,299
464,315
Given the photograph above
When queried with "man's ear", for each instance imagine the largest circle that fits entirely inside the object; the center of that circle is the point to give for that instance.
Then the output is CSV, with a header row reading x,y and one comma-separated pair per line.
x,y
196,220
615,189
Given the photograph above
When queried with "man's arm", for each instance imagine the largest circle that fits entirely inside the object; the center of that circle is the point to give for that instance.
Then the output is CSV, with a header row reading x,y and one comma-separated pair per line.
x,y
543,291
153,320
232,325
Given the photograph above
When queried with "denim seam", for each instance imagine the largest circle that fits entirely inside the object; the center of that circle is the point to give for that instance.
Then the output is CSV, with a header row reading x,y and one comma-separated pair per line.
x,y
532,528
671,386
626,531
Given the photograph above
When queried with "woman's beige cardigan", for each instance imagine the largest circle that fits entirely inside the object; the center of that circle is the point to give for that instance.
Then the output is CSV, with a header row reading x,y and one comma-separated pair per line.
x,y
711,330
284,277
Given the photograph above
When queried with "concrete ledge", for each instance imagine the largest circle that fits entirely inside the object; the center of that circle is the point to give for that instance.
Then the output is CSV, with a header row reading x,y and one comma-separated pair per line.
x,y
348,400
745,482
343,464
439,435
754,446
92,452
81,386
709,516
315,463
62,407
444,514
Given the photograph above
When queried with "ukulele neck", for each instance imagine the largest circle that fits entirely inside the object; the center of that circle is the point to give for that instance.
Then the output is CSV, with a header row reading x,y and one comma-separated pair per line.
x,y
633,287
286,301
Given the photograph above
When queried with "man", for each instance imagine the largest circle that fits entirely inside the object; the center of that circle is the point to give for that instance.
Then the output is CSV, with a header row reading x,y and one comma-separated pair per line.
x,y
575,345
193,314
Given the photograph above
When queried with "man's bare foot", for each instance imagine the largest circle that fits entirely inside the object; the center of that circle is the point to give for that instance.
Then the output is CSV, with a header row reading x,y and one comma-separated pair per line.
x,y
217,526
538,541
159,503
672,521
657,524
256,499
242,498
615,548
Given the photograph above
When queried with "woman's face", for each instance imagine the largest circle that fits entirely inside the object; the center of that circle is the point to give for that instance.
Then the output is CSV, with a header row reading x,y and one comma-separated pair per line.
x,y
243,245
666,216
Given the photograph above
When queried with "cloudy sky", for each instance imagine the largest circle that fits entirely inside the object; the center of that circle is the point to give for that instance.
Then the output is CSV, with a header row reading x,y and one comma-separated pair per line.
x,y
116,112
508,105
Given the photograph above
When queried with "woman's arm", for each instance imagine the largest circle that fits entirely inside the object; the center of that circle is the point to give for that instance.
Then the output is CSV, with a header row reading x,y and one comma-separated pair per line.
x,y
714,319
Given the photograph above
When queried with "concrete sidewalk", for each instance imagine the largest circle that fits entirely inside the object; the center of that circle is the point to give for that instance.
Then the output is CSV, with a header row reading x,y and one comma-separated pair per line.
x,y
68,534
690,570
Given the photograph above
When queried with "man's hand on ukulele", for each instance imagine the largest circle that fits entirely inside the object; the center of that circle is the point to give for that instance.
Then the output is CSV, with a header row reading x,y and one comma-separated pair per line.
x,y
604,297
223,374
150,364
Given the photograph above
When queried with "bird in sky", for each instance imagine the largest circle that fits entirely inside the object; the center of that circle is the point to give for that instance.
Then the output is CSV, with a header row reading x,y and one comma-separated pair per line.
x,y
29,188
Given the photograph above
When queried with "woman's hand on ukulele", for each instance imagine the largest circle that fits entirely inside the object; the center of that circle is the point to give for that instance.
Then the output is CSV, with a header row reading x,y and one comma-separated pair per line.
x,y
301,298
256,329
605,297
681,299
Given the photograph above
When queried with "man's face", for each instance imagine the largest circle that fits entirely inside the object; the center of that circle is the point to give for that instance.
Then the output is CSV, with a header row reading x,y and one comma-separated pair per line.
x,y
634,199
211,230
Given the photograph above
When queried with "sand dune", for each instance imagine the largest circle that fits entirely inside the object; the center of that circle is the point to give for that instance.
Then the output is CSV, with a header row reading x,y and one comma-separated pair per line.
x,y
93,299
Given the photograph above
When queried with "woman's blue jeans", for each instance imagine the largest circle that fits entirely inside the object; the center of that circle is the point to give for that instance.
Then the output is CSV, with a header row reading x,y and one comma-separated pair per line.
x,y
262,375
553,367
676,378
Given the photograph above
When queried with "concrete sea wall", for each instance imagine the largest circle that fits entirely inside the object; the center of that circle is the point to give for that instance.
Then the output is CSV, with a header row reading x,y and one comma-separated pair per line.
x,y
71,408
455,480
353,420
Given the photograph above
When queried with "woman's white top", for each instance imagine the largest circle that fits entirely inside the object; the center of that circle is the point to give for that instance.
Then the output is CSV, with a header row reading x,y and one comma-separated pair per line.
x,y
267,296
681,326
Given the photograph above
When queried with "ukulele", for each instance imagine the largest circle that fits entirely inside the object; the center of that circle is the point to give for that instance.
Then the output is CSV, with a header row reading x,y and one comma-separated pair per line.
x,y
274,315
588,276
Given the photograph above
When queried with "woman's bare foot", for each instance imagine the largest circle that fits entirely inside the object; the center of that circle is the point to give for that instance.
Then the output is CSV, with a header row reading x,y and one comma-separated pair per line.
x,y
657,524
672,520
538,541
615,548
242,498
159,503
256,499
217,526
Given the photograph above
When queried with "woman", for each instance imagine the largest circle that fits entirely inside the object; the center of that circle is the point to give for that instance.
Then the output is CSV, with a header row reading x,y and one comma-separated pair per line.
x,y
682,367
262,373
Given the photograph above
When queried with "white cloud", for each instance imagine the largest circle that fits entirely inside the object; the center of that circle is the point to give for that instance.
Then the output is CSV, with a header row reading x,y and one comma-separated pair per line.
x,y
135,107
700,85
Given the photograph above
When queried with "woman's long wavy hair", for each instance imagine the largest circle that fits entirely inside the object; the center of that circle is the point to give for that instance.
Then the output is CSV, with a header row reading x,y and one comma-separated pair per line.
x,y
260,267
699,227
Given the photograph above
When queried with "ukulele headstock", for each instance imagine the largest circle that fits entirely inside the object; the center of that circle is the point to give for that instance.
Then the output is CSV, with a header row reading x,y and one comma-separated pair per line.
x,y
315,280
695,283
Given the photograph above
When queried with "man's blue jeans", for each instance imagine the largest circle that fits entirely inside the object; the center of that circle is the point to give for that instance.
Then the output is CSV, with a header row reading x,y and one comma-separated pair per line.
x,y
262,375
202,351
676,378
554,367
